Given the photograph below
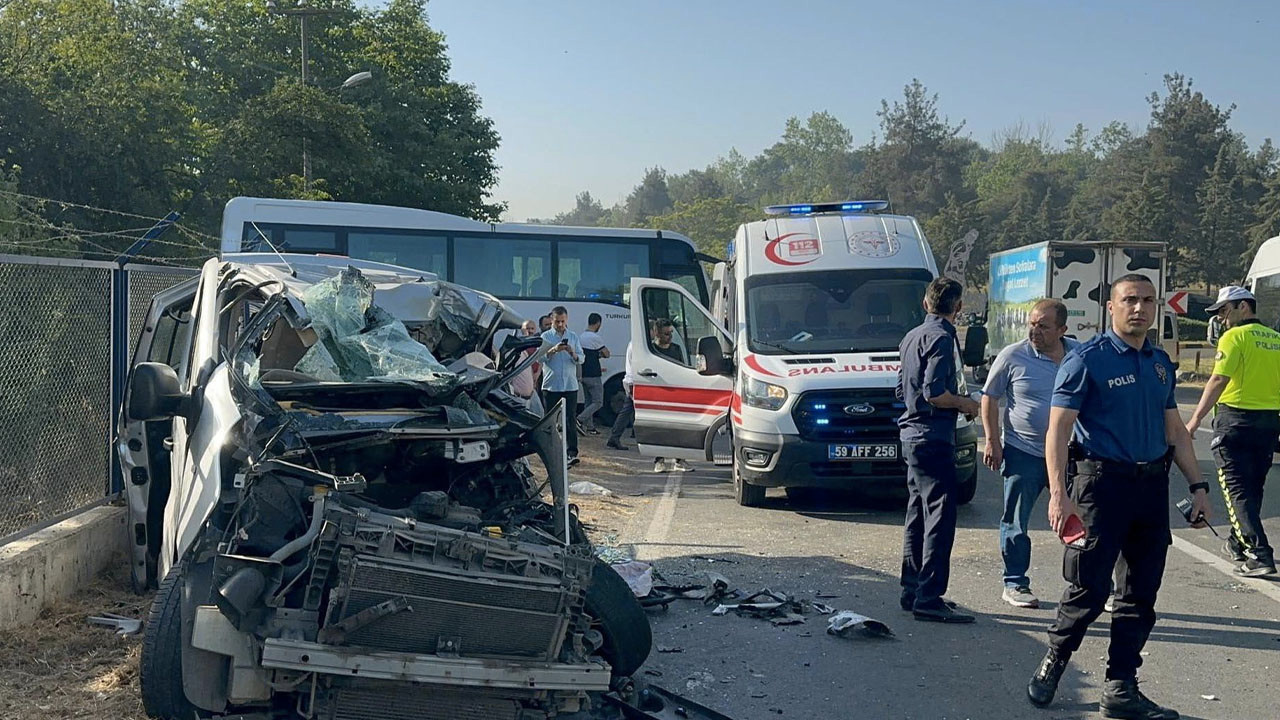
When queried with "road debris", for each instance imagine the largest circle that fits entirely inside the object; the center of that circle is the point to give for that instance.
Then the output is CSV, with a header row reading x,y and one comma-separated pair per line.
x,y
847,623
1210,697
122,625
639,576
586,487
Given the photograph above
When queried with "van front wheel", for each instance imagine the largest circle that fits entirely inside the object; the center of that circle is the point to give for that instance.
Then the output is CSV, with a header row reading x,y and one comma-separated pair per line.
x,y
746,494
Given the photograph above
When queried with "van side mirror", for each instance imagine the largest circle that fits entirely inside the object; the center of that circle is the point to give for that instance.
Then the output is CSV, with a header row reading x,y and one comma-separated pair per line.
x,y
711,358
154,392
975,345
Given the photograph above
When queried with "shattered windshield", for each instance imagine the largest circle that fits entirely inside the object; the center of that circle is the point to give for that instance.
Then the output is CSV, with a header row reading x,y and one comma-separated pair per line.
x,y
347,328
833,311
358,340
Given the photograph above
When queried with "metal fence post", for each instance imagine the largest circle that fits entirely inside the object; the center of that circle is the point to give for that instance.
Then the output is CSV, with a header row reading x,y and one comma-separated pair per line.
x,y
119,367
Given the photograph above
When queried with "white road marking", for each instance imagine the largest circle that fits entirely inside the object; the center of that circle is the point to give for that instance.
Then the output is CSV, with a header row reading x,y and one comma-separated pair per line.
x,y
663,515
1266,587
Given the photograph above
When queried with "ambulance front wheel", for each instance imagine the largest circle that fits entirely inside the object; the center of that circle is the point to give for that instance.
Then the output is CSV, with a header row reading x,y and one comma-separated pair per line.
x,y
746,494
968,487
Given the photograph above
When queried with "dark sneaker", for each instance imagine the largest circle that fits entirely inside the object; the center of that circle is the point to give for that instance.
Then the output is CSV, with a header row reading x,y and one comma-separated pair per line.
x,y
1044,683
1256,568
1020,597
1233,551
908,602
942,614
573,460
1122,700
616,445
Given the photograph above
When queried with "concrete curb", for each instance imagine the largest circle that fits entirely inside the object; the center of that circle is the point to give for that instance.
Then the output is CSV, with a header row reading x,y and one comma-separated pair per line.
x,y
54,563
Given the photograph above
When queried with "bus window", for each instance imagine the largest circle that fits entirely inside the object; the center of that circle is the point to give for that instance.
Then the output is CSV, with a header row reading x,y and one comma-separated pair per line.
x,y
308,241
504,266
600,270
421,252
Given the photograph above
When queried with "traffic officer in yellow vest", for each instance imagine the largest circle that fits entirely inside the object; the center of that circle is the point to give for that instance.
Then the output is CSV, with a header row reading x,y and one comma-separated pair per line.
x,y
1245,388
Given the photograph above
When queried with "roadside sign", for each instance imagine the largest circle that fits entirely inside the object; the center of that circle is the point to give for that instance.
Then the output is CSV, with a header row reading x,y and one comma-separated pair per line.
x,y
1177,301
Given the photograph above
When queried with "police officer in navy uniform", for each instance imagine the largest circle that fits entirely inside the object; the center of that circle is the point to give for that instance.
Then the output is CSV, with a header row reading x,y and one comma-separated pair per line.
x,y
928,386
1116,392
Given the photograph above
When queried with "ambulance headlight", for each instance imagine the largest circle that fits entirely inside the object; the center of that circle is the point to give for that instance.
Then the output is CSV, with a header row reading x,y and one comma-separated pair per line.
x,y
760,394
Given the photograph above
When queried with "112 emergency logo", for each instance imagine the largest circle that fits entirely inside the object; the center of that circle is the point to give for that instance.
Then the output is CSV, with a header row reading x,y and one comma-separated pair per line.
x,y
799,248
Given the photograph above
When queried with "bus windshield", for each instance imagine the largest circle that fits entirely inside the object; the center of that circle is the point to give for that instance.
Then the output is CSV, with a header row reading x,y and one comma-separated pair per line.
x,y
833,311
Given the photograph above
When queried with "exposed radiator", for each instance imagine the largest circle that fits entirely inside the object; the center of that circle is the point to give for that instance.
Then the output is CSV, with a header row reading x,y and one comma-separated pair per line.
x,y
489,615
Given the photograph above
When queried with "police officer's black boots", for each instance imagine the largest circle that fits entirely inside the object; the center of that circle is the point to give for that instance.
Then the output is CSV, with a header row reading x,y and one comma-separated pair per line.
x,y
1044,684
1122,700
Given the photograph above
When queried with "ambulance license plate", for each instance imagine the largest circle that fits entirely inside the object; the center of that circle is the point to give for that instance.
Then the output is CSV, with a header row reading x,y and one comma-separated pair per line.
x,y
887,451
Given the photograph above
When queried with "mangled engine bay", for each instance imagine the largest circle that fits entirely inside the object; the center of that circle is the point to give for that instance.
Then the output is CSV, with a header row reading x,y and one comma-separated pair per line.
x,y
381,546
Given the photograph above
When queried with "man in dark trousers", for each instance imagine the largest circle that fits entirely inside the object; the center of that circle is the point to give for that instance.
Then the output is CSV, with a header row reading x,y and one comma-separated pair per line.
x,y
1115,394
1245,392
928,384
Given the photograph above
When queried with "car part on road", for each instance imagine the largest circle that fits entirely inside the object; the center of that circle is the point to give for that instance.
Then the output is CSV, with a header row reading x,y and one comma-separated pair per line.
x,y
654,703
847,623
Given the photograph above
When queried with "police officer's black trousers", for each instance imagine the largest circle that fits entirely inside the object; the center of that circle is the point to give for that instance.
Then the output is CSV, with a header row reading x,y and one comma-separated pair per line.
x,y
930,528
1125,509
1243,442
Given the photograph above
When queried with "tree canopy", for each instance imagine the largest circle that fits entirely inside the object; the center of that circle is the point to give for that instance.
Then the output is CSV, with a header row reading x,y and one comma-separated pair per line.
x,y
148,106
1186,179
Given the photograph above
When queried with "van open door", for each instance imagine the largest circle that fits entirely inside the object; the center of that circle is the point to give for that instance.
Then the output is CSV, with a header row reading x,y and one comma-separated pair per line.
x,y
679,410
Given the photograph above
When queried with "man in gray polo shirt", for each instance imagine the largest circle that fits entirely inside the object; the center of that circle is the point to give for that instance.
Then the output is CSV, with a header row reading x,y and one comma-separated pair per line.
x,y
1023,376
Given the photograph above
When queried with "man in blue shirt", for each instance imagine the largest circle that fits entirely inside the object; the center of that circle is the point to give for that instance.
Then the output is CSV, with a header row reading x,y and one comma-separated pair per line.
x,y
929,387
1116,392
1023,376
560,373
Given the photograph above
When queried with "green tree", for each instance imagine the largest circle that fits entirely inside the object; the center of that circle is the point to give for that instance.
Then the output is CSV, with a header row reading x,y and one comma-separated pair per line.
x,y
814,161
921,156
1222,228
647,199
709,222
587,212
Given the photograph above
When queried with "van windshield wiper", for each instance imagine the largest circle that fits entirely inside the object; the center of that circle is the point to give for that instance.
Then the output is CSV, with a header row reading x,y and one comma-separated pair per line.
x,y
778,346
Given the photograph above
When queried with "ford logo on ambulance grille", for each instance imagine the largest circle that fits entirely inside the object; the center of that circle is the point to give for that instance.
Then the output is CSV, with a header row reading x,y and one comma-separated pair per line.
x,y
859,409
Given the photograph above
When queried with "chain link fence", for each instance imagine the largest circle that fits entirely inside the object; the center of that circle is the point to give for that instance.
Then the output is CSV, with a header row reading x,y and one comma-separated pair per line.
x,y
56,371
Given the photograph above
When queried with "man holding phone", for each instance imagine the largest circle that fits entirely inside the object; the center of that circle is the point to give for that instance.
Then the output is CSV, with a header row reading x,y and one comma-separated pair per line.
x,y
560,373
1115,393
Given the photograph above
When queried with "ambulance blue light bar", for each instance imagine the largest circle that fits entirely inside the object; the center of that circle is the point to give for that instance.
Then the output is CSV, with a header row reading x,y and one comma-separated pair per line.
x,y
852,206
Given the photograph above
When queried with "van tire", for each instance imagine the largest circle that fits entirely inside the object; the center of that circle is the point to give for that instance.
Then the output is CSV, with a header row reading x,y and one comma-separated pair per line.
x,y
620,619
968,487
160,668
746,494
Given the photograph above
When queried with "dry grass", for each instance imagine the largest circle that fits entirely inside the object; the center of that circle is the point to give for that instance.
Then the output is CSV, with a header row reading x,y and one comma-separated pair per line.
x,y
62,667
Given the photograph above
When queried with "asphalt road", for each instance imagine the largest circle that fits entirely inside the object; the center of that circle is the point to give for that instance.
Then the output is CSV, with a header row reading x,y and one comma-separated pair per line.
x,y
1217,636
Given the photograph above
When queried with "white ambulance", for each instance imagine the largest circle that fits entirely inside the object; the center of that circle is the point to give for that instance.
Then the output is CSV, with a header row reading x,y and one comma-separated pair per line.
x,y
800,387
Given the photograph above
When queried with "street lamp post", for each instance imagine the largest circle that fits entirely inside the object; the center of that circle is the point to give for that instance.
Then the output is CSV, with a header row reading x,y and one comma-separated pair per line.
x,y
302,11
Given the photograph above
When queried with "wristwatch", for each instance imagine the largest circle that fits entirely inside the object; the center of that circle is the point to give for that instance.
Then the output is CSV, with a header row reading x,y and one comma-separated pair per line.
x,y
1193,487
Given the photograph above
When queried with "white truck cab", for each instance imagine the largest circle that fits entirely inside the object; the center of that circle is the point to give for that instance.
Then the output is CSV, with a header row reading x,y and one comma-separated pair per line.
x,y
796,363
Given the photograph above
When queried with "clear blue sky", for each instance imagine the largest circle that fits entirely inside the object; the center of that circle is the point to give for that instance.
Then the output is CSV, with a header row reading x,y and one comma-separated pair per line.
x,y
588,94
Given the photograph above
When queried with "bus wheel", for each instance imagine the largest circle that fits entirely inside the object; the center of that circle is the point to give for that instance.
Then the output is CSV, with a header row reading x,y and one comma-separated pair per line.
x,y
614,399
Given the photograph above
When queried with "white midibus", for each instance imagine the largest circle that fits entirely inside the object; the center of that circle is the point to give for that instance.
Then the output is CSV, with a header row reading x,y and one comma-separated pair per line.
x,y
530,267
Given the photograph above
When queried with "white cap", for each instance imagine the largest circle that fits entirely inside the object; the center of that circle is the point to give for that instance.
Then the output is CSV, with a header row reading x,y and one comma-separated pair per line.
x,y
1230,293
